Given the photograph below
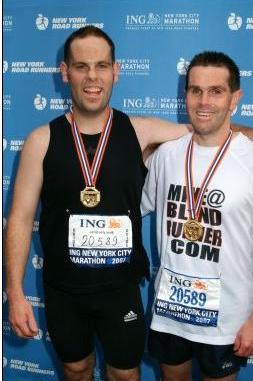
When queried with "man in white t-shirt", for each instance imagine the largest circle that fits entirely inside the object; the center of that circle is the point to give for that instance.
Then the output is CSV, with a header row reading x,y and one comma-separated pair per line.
x,y
201,188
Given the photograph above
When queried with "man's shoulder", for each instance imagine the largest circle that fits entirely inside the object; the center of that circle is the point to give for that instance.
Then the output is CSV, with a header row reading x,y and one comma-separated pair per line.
x,y
242,145
39,132
173,145
64,118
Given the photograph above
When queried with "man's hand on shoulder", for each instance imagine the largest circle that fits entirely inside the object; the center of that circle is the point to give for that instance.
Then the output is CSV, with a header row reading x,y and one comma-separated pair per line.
x,y
248,131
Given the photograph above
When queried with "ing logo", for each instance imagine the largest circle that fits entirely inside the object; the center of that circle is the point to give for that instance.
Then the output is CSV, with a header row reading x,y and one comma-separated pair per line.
x,y
153,19
234,22
42,22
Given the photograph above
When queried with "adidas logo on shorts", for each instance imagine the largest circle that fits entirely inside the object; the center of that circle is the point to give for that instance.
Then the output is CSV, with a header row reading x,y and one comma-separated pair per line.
x,y
130,316
227,365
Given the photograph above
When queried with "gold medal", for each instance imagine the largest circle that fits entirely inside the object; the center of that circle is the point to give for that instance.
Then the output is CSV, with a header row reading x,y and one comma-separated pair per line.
x,y
193,230
90,197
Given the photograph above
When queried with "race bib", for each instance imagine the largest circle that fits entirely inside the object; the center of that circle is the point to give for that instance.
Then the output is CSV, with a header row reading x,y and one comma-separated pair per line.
x,y
188,299
99,241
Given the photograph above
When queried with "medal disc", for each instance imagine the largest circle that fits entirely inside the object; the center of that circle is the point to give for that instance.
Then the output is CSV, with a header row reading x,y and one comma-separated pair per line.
x,y
90,197
193,230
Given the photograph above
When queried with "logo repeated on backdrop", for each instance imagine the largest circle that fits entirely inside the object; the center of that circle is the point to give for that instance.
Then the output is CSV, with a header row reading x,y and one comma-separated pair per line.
x,y
6,102
246,73
58,23
33,67
164,21
5,362
234,111
13,145
250,360
7,23
40,102
37,262
4,297
30,367
134,66
5,66
182,66
39,336
154,105
235,22
6,328
5,144
4,223
36,225
6,182
247,109
35,301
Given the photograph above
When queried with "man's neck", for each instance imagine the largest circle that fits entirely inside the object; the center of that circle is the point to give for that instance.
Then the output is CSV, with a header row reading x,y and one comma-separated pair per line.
x,y
89,123
212,140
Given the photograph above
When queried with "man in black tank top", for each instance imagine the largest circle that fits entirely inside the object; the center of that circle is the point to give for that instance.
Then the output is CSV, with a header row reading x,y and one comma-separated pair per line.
x,y
87,168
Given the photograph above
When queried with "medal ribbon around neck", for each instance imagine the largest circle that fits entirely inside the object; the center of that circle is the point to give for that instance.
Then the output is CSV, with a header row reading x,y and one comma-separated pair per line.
x,y
194,207
90,174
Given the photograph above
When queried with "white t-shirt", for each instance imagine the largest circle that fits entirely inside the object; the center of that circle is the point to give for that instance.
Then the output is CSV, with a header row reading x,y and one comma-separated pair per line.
x,y
204,289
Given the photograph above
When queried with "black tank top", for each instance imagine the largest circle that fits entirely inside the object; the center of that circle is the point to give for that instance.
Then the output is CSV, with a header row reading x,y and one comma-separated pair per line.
x,y
120,182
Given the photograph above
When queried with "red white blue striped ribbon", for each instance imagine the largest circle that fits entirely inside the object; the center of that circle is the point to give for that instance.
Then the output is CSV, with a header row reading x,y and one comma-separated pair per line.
x,y
194,207
90,174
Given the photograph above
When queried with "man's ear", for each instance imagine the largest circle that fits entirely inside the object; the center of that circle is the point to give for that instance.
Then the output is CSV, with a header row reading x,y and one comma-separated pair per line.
x,y
64,72
116,70
235,99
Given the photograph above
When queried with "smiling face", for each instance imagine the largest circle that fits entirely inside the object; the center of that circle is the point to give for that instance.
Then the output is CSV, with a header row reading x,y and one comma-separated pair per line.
x,y
210,101
90,73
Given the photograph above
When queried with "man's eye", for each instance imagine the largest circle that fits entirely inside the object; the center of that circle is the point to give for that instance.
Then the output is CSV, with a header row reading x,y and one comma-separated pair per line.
x,y
215,91
102,66
81,67
195,91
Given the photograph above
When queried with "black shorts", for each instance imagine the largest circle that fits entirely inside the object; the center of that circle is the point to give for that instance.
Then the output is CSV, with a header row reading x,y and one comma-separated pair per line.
x,y
115,317
215,361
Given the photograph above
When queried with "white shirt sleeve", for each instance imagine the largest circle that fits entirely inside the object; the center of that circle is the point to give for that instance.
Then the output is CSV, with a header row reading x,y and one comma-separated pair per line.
x,y
148,201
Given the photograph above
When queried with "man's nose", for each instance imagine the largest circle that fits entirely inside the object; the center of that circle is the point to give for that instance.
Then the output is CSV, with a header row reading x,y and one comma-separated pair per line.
x,y
204,98
92,73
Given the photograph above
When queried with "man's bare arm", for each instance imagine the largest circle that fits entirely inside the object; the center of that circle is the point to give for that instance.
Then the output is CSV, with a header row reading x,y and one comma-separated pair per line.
x,y
151,131
19,229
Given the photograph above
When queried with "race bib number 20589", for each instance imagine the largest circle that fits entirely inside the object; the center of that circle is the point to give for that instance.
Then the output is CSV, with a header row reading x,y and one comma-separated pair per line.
x,y
99,241
188,299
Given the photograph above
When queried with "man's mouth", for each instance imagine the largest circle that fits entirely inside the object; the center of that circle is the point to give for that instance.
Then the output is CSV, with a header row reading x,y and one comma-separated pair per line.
x,y
204,114
93,91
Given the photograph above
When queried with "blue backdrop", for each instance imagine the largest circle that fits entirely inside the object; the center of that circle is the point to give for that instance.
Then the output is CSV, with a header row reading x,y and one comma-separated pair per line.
x,y
155,40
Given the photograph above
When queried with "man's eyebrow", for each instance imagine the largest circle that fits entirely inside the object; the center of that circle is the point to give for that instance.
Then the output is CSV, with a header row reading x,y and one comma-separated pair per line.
x,y
207,88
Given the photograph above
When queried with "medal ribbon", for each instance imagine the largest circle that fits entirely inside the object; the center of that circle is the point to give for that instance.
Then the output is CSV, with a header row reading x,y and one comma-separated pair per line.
x,y
194,207
90,174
